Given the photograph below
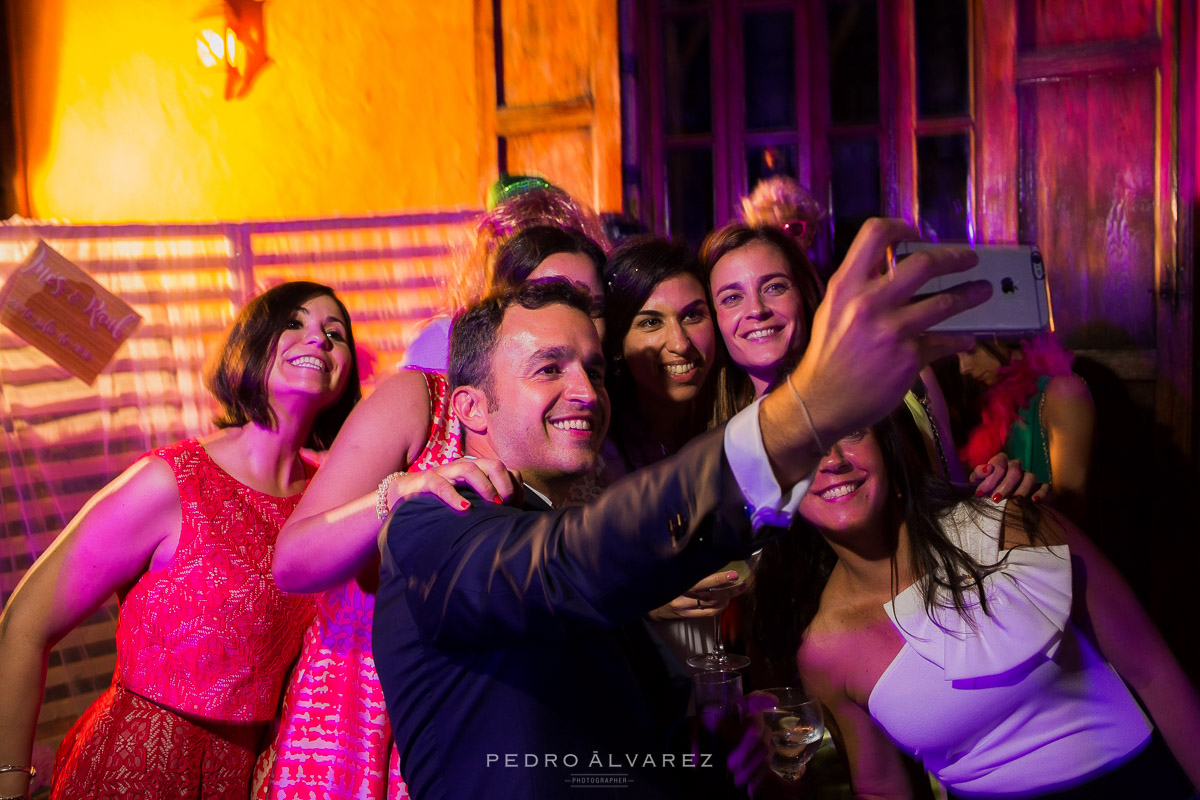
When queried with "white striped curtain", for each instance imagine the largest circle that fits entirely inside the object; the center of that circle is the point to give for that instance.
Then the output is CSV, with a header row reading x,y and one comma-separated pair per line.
x,y
63,439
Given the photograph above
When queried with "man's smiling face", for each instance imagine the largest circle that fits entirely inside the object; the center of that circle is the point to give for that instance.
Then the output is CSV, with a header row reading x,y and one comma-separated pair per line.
x,y
548,411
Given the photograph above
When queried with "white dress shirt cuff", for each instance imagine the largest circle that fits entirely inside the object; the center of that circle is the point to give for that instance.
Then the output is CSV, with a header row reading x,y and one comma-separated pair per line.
x,y
766,501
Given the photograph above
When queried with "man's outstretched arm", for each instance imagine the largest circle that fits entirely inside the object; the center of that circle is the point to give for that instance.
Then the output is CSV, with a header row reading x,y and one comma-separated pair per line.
x,y
496,572
489,576
867,347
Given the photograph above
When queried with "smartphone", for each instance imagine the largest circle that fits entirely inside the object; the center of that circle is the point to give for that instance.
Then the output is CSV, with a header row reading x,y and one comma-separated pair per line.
x,y
1020,301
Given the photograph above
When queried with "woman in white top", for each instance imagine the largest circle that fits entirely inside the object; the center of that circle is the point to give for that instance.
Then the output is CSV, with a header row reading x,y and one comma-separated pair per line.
x,y
764,293
991,642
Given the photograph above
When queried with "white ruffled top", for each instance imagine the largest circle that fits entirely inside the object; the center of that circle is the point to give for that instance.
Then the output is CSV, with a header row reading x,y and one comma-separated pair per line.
x,y
1028,604
1008,702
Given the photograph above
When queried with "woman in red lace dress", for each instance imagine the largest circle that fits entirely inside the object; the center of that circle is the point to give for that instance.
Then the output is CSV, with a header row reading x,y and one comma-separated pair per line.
x,y
204,637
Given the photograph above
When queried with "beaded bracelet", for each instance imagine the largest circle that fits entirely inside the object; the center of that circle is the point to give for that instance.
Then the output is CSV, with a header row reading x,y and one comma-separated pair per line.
x,y
381,502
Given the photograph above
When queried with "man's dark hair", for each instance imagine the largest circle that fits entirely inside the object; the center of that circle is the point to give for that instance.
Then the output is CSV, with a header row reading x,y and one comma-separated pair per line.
x,y
476,329
238,376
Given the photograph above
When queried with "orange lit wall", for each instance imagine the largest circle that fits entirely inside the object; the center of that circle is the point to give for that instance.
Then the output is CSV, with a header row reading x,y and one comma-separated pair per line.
x,y
369,106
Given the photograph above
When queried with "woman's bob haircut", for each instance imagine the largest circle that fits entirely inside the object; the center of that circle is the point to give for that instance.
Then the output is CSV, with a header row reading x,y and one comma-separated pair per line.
x,y
237,377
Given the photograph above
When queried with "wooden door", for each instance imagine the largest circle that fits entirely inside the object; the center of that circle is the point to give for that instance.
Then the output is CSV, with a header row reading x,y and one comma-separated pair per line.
x,y
1079,133
1078,152
549,82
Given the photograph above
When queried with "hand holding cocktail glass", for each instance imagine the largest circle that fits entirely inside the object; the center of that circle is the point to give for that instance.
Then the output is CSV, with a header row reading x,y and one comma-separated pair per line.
x,y
700,601
722,732
718,660
773,731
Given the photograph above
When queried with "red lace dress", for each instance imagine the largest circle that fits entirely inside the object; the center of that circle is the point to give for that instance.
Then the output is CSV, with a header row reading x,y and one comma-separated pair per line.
x,y
203,646
335,740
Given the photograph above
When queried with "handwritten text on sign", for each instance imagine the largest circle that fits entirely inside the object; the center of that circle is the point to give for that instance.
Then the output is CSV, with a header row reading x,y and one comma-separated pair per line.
x,y
58,308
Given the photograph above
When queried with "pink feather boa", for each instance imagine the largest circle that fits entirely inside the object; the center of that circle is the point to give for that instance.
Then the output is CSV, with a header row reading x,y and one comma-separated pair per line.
x,y
1003,401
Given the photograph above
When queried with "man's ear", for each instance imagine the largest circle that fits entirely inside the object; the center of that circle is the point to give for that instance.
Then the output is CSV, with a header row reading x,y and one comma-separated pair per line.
x,y
471,408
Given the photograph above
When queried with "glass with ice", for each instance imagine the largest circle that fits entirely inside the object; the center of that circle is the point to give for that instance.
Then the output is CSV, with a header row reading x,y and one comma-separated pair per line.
x,y
796,724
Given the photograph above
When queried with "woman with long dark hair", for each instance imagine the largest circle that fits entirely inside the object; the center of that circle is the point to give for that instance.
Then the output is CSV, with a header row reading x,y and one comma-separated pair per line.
x,y
661,347
186,535
994,643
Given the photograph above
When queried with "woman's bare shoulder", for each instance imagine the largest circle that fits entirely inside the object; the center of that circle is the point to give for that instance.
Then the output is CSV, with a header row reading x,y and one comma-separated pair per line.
x,y
830,638
398,407
1067,396
404,384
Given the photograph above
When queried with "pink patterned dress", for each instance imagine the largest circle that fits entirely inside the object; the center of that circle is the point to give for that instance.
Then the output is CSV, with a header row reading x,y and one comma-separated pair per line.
x,y
335,741
203,648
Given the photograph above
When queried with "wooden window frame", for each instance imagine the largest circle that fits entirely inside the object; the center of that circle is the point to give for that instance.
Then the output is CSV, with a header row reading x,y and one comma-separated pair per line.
x,y
896,133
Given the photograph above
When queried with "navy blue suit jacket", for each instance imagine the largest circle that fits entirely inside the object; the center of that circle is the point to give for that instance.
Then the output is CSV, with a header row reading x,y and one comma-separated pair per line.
x,y
509,641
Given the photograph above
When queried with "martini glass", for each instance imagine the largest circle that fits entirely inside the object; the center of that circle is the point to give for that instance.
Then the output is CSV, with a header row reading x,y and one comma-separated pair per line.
x,y
717,660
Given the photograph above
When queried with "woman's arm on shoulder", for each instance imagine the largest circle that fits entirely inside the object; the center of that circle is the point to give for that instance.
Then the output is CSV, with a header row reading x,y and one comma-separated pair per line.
x,y
1070,422
331,534
876,769
112,540
1107,609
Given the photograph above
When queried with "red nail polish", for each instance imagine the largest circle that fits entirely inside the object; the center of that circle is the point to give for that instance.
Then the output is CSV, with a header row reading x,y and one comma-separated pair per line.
x,y
1037,499
996,498
979,493
464,505
497,500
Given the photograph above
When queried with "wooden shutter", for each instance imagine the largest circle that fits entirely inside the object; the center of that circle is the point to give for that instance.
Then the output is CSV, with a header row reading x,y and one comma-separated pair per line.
x,y
549,83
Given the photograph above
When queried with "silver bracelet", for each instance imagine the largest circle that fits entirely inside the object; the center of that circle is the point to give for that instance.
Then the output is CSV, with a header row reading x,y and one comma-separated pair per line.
x,y
816,436
382,509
